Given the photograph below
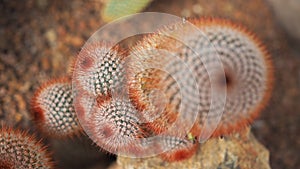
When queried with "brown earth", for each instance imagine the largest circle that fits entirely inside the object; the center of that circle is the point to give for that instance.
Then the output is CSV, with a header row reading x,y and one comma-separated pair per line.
x,y
38,39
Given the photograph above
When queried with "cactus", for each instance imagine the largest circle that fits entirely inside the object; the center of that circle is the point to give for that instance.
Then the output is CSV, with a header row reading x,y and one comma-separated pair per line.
x,y
53,109
246,64
178,147
115,125
99,69
101,77
20,150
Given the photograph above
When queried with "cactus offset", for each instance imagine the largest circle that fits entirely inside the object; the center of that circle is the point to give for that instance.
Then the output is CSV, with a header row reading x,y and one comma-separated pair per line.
x,y
53,109
20,150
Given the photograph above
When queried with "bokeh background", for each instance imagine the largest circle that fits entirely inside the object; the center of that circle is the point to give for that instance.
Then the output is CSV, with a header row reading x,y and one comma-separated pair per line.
x,y
39,38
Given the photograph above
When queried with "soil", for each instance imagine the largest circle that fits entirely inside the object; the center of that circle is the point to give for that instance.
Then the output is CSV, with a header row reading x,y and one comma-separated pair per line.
x,y
39,39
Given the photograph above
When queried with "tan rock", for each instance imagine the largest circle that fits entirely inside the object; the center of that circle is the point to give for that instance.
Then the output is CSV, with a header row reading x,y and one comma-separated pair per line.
x,y
237,151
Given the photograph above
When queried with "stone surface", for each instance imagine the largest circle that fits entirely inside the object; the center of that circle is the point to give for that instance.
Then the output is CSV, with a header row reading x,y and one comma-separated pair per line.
x,y
237,151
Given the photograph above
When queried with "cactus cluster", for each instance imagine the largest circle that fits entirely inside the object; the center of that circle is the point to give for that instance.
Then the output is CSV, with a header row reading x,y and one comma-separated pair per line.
x,y
246,74
116,99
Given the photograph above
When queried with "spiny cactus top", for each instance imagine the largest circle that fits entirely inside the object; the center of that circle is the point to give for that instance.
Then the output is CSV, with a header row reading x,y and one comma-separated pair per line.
x,y
245,72
247,69
179,147
20,150
115,125
53,109
98,69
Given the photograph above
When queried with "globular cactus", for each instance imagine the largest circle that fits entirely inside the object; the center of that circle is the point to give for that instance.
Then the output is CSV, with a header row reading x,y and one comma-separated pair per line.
x,y
160,109
20,150
99,74
247,69
245,72
99,69
53,109
179,147
7,163
115,126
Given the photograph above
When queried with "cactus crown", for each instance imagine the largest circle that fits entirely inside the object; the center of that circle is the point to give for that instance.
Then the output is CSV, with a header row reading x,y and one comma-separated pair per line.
x,y
20,150
53,109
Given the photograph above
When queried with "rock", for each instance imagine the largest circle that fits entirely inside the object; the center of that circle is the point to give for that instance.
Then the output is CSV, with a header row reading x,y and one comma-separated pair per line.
x,y
237,151
51,37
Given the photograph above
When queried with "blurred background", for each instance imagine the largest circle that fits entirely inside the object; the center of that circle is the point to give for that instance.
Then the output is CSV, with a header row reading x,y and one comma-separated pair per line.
x,y
39,38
